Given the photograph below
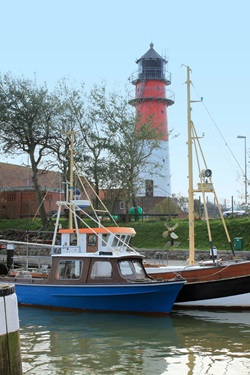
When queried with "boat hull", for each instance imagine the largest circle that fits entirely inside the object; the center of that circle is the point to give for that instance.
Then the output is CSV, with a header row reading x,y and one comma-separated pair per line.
x,y
225,293
151,298
226,286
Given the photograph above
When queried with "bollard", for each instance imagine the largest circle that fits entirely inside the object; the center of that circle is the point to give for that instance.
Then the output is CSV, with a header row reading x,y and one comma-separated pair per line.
x,y
10,255
10,347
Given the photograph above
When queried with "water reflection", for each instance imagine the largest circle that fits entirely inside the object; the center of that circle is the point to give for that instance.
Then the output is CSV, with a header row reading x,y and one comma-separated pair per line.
x,y
184,343
212,342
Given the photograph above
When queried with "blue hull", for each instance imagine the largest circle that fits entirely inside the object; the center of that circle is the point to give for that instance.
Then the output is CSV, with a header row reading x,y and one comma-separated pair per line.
x,y
154,298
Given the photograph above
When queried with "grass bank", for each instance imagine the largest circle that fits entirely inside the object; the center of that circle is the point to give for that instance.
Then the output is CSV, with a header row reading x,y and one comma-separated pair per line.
x,y
149,233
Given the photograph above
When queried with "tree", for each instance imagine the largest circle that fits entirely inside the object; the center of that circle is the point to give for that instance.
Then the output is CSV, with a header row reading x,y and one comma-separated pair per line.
x,y
113,151
68,109
167,206
26,124
78,113
129,146
182,203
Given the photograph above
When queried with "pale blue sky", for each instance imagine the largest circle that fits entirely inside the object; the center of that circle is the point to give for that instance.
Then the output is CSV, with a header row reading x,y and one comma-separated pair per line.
x,y
91,41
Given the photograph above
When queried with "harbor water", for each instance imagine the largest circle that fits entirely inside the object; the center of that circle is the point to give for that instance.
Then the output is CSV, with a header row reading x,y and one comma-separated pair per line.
x,y
185,343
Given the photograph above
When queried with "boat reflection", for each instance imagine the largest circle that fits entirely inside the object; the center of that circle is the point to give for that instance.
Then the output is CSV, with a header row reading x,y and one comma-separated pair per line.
x,y
186,342
93,343
212,342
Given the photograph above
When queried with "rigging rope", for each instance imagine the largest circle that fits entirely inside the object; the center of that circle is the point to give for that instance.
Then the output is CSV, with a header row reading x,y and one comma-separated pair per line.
x,y
217,127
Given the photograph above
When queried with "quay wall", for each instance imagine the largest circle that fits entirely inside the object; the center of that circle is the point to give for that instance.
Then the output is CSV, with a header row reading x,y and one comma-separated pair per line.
x,y
42,255
184,254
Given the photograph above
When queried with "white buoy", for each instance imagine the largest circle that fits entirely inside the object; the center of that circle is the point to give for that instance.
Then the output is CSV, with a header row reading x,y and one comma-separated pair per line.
x,y
10,347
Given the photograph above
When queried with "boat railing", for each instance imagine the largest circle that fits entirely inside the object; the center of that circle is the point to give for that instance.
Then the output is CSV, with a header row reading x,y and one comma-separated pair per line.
x,y
65,249
161,257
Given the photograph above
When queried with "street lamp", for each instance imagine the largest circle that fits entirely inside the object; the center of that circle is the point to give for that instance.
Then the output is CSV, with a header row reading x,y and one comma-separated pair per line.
x,y
245,141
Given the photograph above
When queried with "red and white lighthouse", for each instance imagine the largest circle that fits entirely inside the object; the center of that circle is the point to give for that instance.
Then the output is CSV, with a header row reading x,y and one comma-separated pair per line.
x,y
151,103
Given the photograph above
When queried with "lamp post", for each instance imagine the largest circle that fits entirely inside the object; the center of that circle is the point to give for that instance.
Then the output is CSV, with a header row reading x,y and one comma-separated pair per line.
x,y
245,141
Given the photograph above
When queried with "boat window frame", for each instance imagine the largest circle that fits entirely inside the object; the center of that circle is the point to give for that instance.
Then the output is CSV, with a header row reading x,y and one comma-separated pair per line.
x,y
105,239
69,276
143,274
96,274
134,275
121,240
116,241
127,264
73,239
91,240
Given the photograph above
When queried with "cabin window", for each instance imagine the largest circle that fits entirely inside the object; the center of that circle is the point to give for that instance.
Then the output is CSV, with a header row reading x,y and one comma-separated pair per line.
x,y
92,239
123,239
105,238
125,268
69,269
140,273
116,241
129,268
120,240
101,269
73,239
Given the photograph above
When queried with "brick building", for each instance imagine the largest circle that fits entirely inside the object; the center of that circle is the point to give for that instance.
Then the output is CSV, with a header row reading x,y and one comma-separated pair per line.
x,y
18,199
17,194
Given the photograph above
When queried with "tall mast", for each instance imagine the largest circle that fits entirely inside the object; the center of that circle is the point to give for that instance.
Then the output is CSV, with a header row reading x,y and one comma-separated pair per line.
x,y
71,178
190,173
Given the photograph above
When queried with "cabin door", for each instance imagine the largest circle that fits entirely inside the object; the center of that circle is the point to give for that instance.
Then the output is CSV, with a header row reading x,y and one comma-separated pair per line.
x,y
92,243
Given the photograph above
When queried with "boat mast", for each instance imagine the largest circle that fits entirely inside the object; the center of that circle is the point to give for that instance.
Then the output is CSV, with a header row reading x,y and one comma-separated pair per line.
x,y
190,173
71,178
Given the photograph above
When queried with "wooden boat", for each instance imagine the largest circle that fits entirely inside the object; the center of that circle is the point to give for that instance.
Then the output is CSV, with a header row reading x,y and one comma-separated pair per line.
x,y
225,284
93,269
213,283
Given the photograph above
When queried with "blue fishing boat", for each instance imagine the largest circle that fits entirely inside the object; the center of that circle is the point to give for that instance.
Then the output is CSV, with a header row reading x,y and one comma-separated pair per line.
x,y
92,268
106,280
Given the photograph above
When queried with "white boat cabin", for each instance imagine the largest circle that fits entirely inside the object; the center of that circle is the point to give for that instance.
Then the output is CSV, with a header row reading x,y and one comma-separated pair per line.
x,y
90,240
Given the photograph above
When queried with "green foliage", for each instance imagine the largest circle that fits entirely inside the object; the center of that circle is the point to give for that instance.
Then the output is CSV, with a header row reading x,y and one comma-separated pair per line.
x,y
166,206
26,124
20,224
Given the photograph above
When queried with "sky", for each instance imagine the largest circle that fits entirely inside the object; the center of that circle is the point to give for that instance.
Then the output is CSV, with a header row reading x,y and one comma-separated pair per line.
x,y
101,40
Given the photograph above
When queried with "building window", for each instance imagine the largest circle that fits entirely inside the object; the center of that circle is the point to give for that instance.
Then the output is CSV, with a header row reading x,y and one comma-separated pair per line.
x,y
149,188
121,206
11,197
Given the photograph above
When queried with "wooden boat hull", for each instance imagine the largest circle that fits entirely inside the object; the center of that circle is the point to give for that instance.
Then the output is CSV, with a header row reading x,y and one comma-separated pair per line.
x,y
231,293
225,286
148,298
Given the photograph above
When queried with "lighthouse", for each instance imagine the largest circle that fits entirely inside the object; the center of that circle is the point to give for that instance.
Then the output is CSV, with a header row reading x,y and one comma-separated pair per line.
x,y
151,104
